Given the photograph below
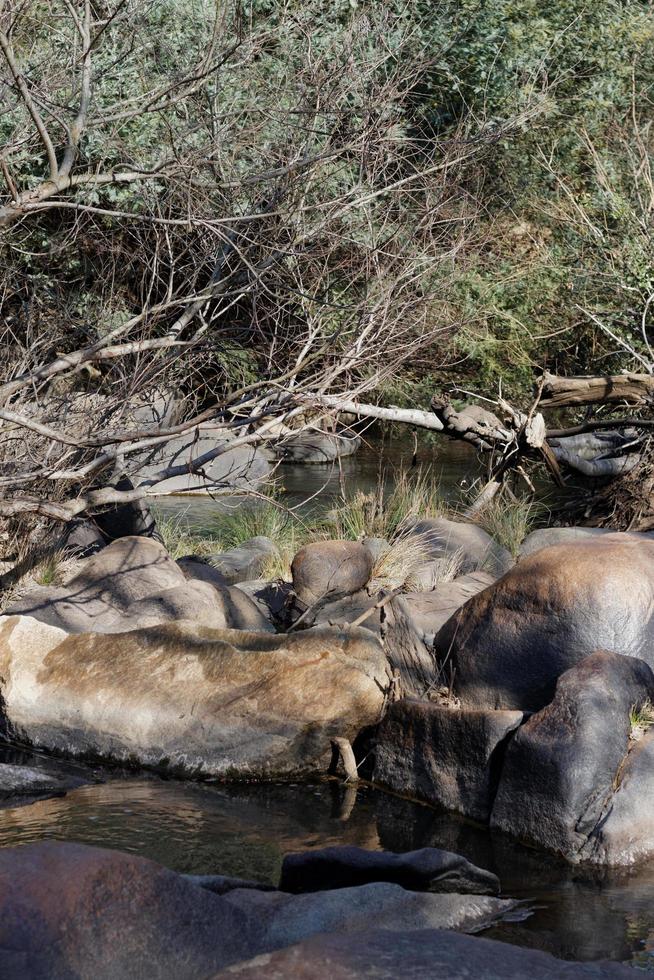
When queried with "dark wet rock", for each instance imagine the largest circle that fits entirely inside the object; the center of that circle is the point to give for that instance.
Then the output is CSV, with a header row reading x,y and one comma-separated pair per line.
x,y
563,765
227,703
284,919
446,756
314,446
508,645
475,548
426,870
430,953
134,583
330,568
245,562
21,784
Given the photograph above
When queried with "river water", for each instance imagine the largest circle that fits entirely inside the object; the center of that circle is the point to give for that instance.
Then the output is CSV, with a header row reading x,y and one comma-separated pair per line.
x,y
245,830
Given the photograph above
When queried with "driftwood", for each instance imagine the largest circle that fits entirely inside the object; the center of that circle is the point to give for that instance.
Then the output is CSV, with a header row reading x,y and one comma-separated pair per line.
x,y
626,389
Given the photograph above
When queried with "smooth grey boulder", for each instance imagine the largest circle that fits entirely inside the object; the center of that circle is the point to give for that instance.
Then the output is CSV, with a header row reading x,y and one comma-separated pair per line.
x,y
428,954
330,568
233,467
426,870
245,562
226,703
134,583
546,537
315,446
199,569
475,548
563,765
429,611
508,644
284,919
20,784
449,757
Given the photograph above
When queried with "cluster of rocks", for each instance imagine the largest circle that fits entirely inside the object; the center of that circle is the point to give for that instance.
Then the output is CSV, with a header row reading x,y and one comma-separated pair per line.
x,y
68,910
205,670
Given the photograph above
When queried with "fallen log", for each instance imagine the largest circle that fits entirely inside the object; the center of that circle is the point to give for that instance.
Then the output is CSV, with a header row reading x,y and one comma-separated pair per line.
x,y
627,389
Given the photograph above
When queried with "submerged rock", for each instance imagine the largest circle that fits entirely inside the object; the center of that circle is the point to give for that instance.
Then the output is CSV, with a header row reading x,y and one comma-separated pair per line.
x,y
448,757
226,703
23,784
563,766
426,870
508,645
384,954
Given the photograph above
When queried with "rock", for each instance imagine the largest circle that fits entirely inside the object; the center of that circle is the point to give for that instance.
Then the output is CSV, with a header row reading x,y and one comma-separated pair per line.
x,y
70,911
314,446
271,599
448,757
198,569
426,870
429,953
546,537
429,611
83,539
22,784
134,519
284,919
330,568
625,836
245,562
236,467
561,767
226,703
221,884
376,546
508,645
475,547
134,583
345,609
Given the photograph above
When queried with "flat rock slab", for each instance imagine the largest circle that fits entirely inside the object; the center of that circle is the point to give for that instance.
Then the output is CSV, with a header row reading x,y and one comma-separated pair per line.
x,y
245,562
23,784
227,703
284,919
429,954
449,757
426,870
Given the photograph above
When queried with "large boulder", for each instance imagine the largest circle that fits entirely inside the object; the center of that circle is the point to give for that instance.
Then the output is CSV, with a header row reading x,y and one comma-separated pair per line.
x,y
447,756
383,954
235,467
508,645
546,537
426,870
226,703
329,569
315,446
70,911
134,583
562,767
474,547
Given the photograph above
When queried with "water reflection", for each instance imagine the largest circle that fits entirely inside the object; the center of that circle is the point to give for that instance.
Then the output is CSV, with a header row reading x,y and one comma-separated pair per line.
x,y
245,830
